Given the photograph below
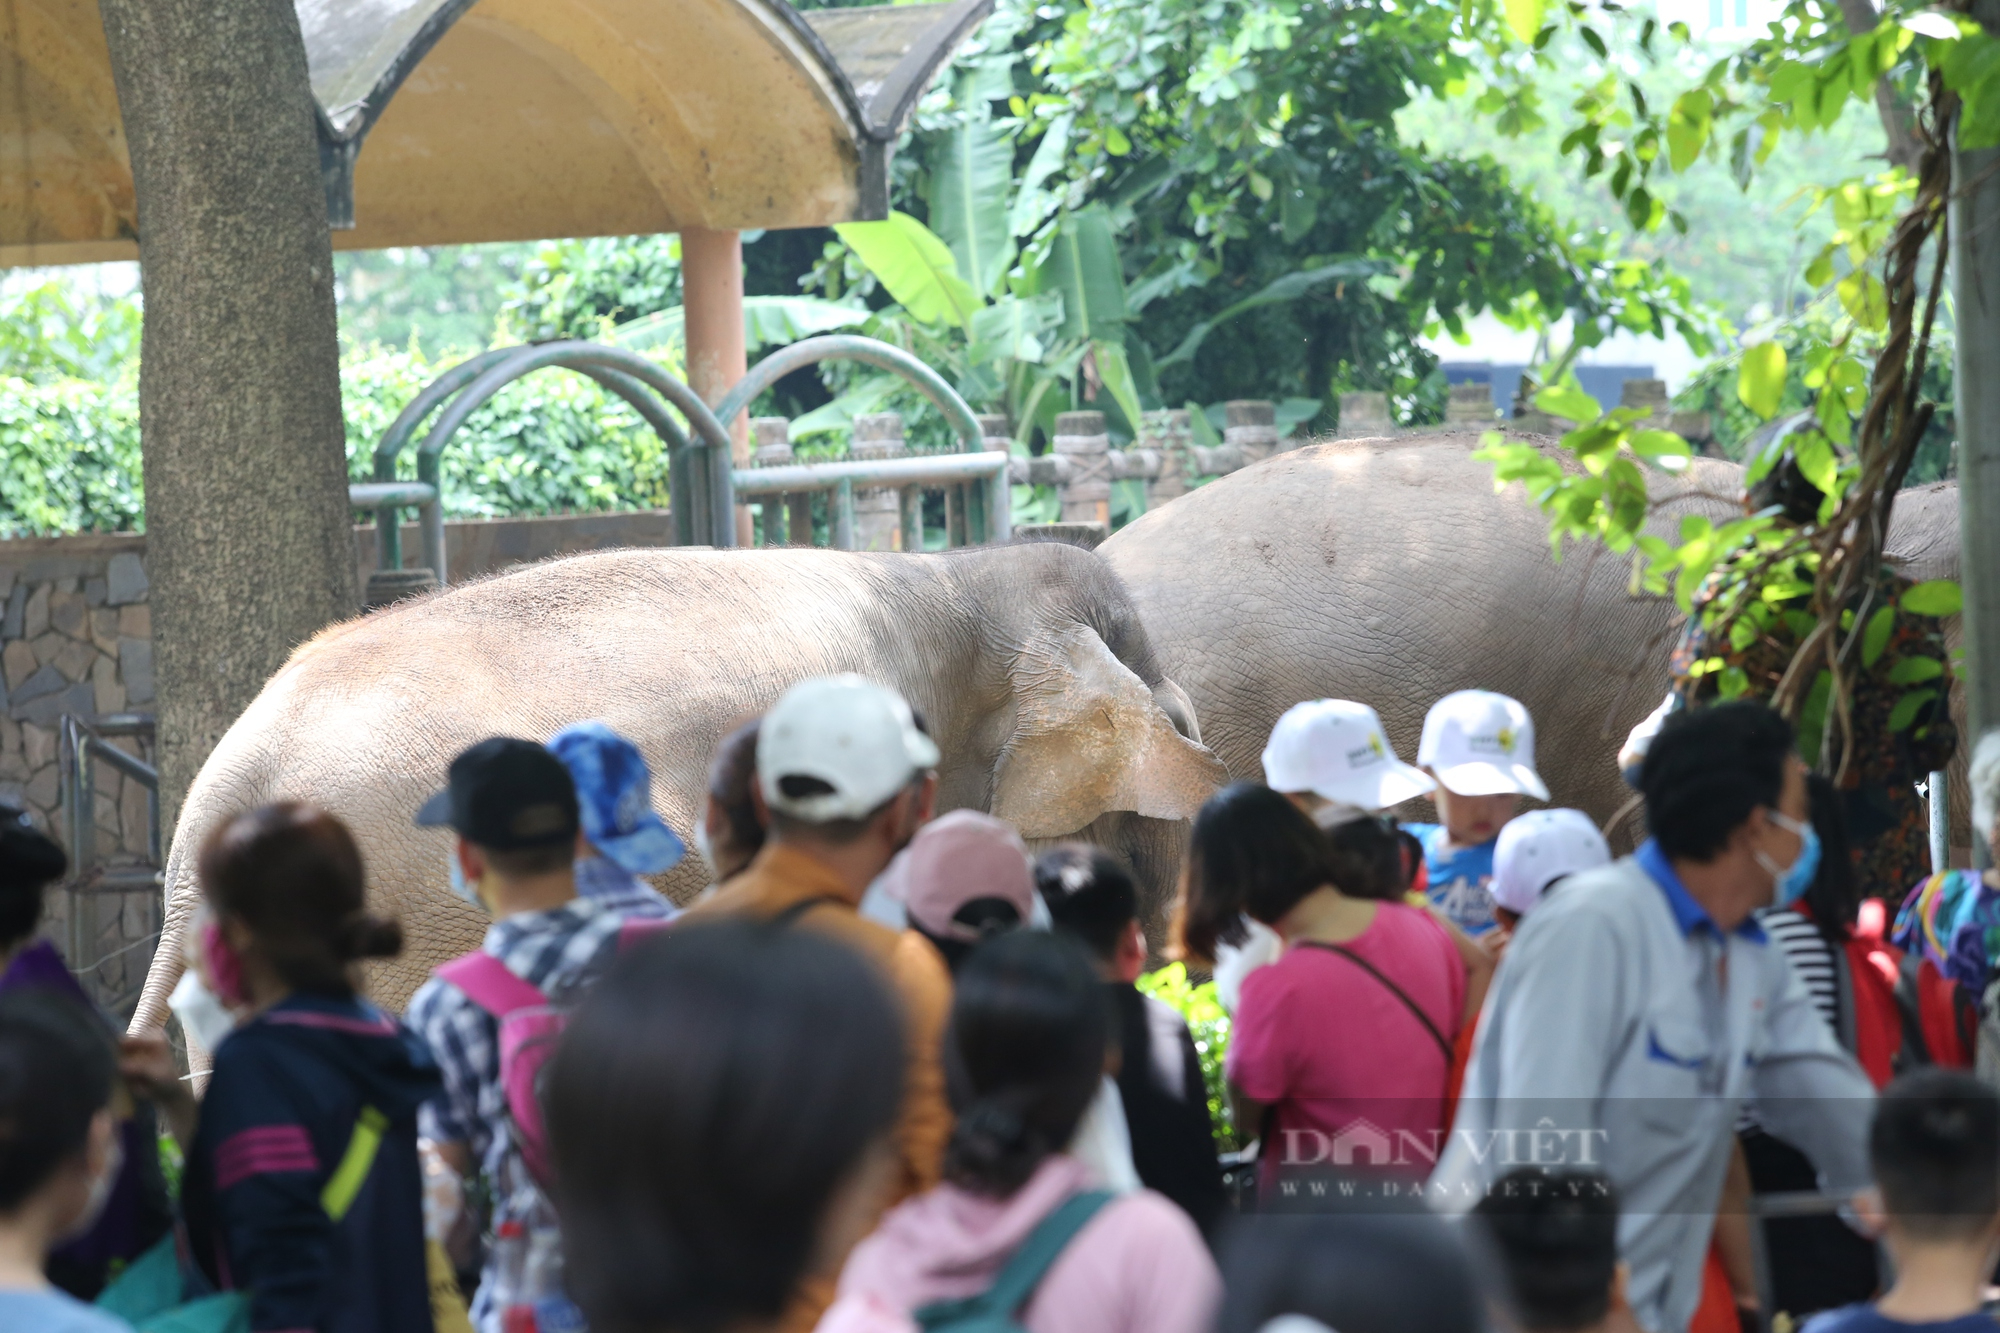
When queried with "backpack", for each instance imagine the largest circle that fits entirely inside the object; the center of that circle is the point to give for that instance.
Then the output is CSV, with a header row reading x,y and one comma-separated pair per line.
x,y
993,1310
529,1026
159,1293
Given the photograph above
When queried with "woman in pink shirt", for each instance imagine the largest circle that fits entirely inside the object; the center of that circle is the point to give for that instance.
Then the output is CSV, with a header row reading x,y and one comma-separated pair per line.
x,y
1341,1051
1023,1057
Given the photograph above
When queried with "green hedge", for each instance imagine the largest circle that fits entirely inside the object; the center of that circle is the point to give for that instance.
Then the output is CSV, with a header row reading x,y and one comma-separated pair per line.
x,y
552,443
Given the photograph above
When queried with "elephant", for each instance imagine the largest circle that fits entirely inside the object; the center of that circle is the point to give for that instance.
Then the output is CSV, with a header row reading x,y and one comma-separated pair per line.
x,y
1027,662
1391,572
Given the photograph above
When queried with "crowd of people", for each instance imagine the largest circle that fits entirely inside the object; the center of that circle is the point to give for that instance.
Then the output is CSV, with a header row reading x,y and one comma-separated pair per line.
x,y
894,1071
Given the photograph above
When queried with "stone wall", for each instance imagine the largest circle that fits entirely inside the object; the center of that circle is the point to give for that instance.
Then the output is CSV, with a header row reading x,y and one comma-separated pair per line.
x,y
77,638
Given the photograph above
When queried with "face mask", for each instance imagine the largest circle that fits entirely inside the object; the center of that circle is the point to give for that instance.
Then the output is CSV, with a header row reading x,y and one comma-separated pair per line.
x,y
100,1188
1791,883
224,967
461,887
702,846
203,1015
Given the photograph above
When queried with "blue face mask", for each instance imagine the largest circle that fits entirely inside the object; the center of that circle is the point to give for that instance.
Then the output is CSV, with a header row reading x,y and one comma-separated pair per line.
x,y
461,887
1794,880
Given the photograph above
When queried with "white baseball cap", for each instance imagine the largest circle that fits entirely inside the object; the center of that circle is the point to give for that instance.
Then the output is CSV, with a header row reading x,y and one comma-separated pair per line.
x,y
1478,743
856,736
1335,749
1540,847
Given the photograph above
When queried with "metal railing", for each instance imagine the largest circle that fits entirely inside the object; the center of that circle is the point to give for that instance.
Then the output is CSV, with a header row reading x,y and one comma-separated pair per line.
x,y
82,745
703,486
979,481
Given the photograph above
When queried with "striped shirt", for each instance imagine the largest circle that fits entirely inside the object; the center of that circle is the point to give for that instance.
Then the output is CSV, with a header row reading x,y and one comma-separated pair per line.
x,y
559,951
1807,951
1799,940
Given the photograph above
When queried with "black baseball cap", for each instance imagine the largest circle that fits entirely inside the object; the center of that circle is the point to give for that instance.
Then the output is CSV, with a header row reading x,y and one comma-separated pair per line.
x,y
506,793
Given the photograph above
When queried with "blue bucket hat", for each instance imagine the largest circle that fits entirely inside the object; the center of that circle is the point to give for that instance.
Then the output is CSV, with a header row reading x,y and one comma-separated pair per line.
x,y
613,793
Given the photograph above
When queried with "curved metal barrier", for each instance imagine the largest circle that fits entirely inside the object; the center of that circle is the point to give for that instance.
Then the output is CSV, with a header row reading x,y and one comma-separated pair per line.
x,y
868,351
701,480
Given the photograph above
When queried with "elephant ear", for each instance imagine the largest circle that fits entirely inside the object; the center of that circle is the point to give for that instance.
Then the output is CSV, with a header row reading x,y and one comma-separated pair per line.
x,y
1090,737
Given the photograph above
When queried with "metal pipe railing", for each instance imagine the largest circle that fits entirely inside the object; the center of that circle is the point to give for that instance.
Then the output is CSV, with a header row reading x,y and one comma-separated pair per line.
x,y
703,482
986,469
81,745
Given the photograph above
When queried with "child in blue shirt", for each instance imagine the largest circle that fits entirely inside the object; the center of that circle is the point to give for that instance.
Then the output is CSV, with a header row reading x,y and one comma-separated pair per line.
x,y
1935,1150
58,1153
1480,748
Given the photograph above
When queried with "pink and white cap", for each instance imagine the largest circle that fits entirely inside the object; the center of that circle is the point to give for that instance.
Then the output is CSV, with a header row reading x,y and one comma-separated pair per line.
x,y
960,858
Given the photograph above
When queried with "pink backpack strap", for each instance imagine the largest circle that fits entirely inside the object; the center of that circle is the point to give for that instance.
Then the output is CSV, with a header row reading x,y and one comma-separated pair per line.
x,y
636,930
491,984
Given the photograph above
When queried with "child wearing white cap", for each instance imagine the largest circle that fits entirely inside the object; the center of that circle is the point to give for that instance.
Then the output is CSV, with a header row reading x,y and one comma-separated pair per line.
x,y
1480,748
1535,852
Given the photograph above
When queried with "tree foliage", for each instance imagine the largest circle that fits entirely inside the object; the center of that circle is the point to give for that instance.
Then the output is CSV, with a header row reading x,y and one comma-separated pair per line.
x,y
1804,577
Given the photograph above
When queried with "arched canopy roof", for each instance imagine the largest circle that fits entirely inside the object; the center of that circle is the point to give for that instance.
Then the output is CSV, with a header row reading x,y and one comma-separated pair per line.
x,y
450,121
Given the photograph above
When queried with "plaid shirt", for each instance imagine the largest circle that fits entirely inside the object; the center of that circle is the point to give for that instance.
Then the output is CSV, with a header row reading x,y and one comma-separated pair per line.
x,y
615,889
559,951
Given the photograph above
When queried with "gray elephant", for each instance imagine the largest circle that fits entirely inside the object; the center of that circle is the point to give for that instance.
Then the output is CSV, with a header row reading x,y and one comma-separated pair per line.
x,y
1390,572
1028,662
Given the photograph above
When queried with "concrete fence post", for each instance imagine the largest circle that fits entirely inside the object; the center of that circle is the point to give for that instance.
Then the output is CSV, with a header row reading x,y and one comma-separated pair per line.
x,y
1364,415
961,501
1086,495
1471,405
878,512
1251,425
1156,432
771,446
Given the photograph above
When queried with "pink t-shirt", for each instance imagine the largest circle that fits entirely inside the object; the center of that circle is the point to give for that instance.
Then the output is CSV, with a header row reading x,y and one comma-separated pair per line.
x,y
1352,1076
1138,1266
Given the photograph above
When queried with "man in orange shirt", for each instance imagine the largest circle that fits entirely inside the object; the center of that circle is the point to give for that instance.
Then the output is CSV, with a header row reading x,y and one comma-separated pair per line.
x,y
846,779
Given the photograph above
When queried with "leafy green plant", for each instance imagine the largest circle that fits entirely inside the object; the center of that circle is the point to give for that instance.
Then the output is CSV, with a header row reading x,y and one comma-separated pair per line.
x,y
1208,1022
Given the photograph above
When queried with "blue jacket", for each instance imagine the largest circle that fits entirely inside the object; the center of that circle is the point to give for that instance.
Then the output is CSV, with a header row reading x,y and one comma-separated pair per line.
x,y
279,1117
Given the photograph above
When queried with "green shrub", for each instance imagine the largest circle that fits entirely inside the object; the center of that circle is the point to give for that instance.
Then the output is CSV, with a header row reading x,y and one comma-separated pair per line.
x,y
1208,1021
69,455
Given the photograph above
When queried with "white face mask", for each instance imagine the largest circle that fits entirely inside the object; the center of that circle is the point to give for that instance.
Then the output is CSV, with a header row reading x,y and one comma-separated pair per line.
x,y
701,844
203,1016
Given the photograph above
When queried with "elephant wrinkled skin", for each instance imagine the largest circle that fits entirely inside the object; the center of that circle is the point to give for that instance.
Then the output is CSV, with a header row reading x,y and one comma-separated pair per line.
x,y
1391,572
1028,663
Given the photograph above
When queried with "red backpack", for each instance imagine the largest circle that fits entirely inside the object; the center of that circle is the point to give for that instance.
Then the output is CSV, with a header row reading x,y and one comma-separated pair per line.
x,y
529,1027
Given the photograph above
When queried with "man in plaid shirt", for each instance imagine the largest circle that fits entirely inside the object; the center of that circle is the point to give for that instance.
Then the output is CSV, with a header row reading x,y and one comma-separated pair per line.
x,y
514,808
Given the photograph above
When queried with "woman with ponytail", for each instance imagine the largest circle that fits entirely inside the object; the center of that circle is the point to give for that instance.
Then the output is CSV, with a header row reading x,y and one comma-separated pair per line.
x,y
1016,1230
302,1187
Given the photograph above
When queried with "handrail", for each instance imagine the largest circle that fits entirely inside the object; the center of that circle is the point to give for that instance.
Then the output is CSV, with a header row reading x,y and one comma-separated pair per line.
x,y
932,470
702,479
853,347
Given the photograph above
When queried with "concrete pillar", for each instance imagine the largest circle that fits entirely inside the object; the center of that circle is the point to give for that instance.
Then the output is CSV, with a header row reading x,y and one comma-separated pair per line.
x,y
960,502
1156,432
993,433
877,512
1086,496
712,297
1364,415
1471,405
1649,394
787,518
774,441
1251,425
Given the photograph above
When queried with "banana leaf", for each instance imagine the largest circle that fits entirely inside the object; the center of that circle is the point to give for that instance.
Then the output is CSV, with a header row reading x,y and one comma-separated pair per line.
x,y
917,268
